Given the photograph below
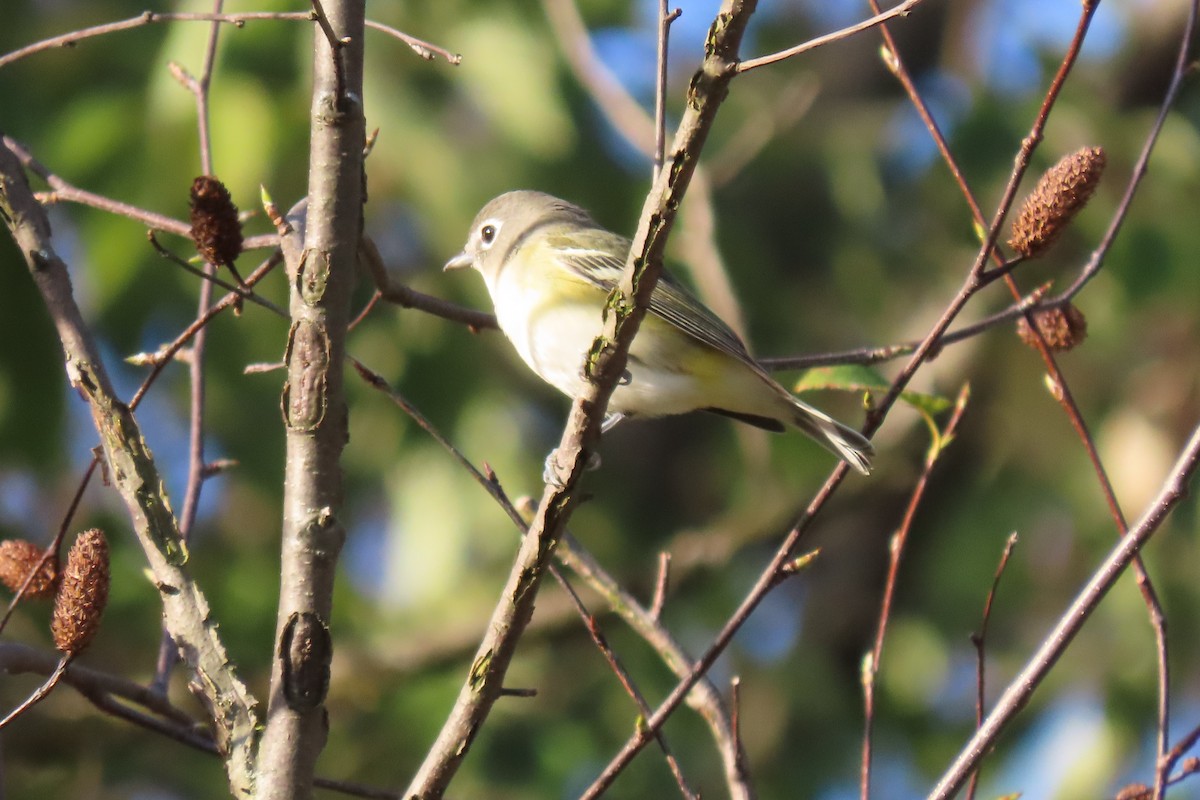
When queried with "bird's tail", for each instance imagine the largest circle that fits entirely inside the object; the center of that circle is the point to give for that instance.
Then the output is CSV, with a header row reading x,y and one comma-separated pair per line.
x,y
841,440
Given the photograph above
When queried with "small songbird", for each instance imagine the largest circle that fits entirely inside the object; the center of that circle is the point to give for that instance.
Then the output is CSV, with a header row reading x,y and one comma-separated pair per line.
x,y
549,269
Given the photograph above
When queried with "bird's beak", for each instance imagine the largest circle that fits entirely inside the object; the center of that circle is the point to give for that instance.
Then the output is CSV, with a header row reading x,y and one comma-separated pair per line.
x,y
460,261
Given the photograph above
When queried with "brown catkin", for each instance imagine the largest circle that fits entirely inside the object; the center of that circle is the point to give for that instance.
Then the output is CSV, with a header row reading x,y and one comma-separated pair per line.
x,y
1062,327
18,558
216,229
1060,194
1135,791
83,593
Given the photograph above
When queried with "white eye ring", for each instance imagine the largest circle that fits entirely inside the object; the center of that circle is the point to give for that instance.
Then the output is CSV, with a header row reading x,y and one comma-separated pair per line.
x,y
487,233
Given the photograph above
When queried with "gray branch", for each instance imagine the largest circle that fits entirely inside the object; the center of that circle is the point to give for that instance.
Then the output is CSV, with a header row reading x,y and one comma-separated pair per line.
x,y
314,407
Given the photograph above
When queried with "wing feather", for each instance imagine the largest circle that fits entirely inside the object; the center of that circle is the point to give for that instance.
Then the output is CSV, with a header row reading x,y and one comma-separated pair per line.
x,y
671,302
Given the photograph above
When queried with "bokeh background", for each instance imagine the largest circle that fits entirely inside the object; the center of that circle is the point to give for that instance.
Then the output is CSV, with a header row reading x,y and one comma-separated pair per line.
x,y
835,226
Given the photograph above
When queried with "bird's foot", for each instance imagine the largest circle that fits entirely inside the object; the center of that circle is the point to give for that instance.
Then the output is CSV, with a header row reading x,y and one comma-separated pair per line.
x,y
550,470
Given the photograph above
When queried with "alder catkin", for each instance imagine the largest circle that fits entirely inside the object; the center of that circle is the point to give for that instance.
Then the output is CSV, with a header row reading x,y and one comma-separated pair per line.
x,y
1135,791
1060,194
216,229
82,594
1062,327
18,558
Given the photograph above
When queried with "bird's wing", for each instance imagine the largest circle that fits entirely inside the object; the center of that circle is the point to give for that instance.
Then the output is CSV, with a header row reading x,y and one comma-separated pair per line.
x,y
596,263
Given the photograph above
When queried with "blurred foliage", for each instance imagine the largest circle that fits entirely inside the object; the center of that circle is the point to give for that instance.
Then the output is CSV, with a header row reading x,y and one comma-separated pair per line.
x,y
844,231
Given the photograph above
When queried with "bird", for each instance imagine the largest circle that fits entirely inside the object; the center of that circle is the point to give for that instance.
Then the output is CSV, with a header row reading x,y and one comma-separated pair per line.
x,y
549,268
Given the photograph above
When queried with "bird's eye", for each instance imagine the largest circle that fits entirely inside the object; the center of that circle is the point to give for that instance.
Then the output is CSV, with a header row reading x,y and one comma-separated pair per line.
x,y
487,234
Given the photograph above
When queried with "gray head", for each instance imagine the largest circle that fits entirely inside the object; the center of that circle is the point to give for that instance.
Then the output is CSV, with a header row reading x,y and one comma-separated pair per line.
x,y
505,220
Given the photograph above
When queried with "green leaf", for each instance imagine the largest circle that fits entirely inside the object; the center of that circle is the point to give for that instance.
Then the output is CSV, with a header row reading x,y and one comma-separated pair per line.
x,y
844,377
859,378
931,404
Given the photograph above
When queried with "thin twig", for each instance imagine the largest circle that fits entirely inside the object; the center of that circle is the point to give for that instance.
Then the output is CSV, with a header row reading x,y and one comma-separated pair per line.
x,y
1022,687
735,703
901,10
209,277
337,44
660,585
421,48
626,681
665,18
55,546
366,310
881,354
41,693
64,192
164,354
145,18
1158,620
979,640
168,654
1181,747
895,551
1183,67
410,298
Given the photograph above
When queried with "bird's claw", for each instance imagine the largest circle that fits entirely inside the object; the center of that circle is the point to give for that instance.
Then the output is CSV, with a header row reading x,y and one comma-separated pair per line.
x,y
550,470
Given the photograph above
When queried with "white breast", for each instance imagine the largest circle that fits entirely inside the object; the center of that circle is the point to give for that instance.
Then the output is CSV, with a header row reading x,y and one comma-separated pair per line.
x,y
553,339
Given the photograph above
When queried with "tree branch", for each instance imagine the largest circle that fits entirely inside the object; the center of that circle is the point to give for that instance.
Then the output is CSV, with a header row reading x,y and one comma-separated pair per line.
x,y
136,478
901,10
582,433
314,406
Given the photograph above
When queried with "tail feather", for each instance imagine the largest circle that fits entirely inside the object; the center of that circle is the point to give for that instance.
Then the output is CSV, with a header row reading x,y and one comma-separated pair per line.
x,y
841,440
